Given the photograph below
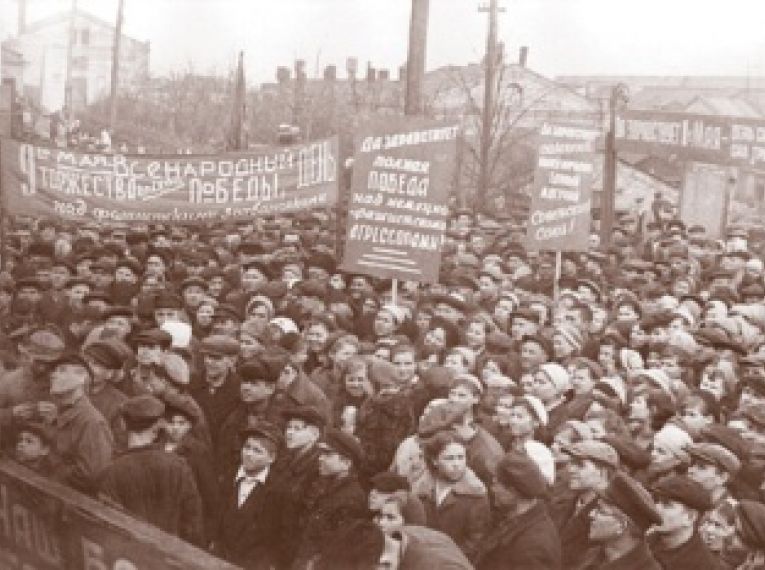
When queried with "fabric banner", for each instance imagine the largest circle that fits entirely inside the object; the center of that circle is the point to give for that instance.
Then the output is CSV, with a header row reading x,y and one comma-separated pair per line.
x,y
399,201
59,183
715,139
560,213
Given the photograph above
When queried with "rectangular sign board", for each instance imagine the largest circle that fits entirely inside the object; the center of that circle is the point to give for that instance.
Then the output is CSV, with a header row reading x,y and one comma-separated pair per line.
x,y
561,201
399,201
60,183
702,138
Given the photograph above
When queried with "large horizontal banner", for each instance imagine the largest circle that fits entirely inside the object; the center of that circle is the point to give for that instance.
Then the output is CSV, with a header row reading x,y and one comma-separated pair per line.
x,y
561,202
703,138
52,182
399,203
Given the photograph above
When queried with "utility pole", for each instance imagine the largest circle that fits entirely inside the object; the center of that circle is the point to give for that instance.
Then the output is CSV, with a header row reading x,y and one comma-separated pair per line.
x,y
115,68
69,50
488,103
608,196
415,61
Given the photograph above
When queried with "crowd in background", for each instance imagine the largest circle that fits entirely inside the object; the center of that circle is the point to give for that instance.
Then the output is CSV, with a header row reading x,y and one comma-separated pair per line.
x,y
230,385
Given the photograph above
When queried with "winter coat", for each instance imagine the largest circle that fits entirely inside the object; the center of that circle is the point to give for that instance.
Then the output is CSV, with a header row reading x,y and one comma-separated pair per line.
x,y
331,503
293,476
84,443
157,487
464,514
483,453
247,535
217,404
383,422
200,459
691,555
529,541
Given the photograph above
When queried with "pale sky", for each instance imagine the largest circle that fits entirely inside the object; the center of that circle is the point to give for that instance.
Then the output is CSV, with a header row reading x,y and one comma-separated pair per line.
x,y
565,37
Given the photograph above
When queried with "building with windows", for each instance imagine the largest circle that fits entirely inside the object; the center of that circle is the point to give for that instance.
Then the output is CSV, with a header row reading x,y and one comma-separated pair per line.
x,y
43,45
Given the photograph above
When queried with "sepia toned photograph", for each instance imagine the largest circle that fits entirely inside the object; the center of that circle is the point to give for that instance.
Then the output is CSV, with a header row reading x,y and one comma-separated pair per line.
x,y
382,285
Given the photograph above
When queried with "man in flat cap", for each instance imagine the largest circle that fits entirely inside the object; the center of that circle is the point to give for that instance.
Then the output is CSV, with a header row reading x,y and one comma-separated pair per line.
x,y
713,467
590,470
149,483
523,535
104,362
295,472
83,438
676,543
618,524
336,498
247,526
22,388
218,392
256,388
150,349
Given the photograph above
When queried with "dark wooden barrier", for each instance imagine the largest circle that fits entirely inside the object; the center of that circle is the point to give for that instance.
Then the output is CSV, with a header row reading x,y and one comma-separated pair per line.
x,y
46,526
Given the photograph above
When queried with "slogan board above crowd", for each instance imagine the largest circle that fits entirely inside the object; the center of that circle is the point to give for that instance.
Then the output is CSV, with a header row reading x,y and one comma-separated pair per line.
x,y
51,182
561,202
399,201
713,139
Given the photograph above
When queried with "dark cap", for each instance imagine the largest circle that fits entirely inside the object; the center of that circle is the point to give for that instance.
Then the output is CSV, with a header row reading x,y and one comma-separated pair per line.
x,y
255,369
193,281
261,430
130,263
219,345
631,498
227,311
684,490
153,337
104,354
630,453
727,437
389,482
342,443
141,411
46,433
526,314
308,414
517,471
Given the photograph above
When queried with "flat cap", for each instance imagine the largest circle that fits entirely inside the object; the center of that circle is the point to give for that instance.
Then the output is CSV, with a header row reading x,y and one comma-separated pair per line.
x,y
683,489
630,453
594,450
224,310
519,472
44,345
153,337
167,300
261,430
631,498
105,354
143,408
716,455
727,437
255,369
342,443
440,417
219,345
193,282
389,482
308,414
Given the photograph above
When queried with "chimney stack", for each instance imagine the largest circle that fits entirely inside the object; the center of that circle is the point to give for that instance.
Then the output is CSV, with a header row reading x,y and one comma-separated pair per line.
x,y
383,75
330,73
523,56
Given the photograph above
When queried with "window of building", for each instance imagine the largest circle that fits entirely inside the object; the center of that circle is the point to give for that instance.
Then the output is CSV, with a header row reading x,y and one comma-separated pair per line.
x,y
85,37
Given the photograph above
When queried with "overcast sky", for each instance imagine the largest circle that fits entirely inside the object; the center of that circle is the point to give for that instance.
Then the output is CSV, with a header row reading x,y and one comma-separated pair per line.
x,y
565,37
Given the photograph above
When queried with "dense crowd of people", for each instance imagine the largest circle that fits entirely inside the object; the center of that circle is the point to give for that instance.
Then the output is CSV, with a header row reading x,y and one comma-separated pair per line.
x,y
230,385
